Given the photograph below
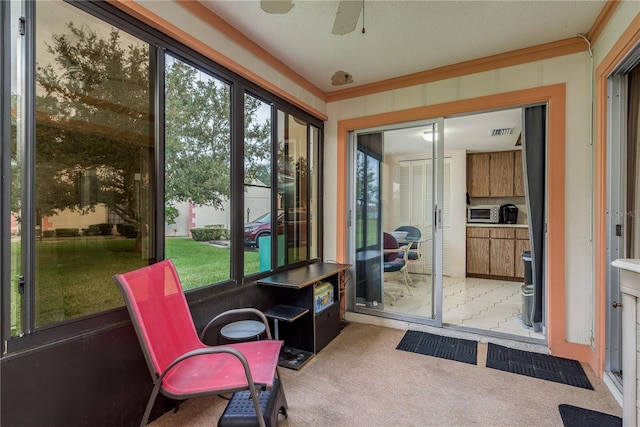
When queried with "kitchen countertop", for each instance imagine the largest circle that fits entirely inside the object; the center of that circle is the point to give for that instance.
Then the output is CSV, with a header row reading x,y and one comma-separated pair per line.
x,y
484,224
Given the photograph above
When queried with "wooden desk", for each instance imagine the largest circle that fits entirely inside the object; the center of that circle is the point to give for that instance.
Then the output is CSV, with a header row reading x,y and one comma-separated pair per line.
x,y
308,331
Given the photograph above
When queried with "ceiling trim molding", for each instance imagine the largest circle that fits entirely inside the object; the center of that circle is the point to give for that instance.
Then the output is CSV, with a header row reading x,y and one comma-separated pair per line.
x,y
211,18
488,63
602,20
141,13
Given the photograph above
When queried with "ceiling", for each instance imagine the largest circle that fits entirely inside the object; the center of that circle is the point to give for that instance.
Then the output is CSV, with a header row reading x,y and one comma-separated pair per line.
x,y
405,37
471,133
402,37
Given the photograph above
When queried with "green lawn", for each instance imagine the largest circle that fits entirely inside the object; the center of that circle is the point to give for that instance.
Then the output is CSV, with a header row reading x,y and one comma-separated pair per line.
x,y
199,263
74,276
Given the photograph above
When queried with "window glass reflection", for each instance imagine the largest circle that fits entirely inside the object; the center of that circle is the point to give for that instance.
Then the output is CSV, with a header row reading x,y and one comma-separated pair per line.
x,y
293,185
197,174
93,169
17,117
257,186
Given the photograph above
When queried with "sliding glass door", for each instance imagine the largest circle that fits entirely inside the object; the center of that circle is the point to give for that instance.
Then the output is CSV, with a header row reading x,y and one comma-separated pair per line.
x,y
397,220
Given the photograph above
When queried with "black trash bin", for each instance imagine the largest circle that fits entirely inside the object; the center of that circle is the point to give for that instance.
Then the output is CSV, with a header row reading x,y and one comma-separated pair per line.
x,y
527,290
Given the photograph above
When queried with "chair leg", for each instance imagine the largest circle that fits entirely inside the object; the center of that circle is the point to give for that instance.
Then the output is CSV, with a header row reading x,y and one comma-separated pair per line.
x,y
407,279
152,399
284,406
390,295
410,279
255,398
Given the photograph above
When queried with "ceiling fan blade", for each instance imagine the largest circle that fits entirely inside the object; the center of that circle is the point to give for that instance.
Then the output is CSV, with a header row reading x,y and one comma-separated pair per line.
x,y
276,6
347,16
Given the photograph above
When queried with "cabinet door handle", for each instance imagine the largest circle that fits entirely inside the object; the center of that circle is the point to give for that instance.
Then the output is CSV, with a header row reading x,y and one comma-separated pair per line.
x,y
616,304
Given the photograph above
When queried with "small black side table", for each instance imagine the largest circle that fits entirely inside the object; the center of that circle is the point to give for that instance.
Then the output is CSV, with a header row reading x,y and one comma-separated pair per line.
x,y
289,357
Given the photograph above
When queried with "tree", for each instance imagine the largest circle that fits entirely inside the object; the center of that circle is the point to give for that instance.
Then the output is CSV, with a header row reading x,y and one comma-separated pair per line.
x,y
198,139
95,129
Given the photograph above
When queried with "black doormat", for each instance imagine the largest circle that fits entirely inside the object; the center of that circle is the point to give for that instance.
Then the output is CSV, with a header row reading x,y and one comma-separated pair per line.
x,y
572,416
438,346
542,366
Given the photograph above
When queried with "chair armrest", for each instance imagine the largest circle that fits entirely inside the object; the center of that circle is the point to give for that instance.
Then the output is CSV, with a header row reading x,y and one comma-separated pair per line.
x,y
396,250
402,251
234,311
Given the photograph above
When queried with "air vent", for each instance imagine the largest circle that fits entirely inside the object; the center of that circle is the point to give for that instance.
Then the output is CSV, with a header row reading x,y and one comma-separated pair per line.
x,y
501,132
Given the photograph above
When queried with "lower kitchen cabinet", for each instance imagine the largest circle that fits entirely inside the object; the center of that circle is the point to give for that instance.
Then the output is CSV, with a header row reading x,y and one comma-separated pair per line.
x,y
501,257
495,252
522,245
477,255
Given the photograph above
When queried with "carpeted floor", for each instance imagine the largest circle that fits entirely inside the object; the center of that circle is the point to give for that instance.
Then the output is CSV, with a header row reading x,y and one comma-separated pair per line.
x,y
360,379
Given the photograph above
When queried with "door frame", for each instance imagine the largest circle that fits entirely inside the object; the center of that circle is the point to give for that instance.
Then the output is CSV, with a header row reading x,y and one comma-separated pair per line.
x,y
555,97
617,104
615,203
626,45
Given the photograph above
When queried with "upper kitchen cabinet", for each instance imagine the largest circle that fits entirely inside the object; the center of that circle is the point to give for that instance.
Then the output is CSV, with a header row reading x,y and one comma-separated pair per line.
x,y
501,174
518,175
496,174
478,175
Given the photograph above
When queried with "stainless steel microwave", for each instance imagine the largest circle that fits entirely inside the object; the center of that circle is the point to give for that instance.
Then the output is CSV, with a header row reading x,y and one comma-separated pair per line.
x,y
484,213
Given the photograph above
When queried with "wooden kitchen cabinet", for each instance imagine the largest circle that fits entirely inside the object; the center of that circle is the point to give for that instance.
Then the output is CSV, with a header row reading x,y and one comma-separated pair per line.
x,y
478,250
477,255
478,175
501,257
495,252
501,174
501,251
522,245
496,174
518,174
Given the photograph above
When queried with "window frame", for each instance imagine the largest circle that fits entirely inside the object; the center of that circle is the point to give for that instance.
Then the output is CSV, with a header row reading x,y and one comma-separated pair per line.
x,y
161,45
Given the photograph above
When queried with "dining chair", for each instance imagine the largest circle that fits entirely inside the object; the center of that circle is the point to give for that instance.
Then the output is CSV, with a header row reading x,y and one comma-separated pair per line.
x,y
395,260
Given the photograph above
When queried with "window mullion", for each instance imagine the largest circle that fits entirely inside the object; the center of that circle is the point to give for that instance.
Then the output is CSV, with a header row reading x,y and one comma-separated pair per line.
x,y
5,212
158,129
237,181
27,145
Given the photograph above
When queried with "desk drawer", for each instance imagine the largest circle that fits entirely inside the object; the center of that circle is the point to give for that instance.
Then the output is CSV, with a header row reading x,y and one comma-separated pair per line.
x,y
327,325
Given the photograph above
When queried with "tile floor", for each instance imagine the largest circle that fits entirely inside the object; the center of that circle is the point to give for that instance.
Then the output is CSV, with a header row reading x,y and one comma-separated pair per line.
x,y
485,304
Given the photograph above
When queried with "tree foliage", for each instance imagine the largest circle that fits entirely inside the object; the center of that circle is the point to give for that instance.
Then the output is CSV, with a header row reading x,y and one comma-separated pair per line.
x,y
198,140
95,129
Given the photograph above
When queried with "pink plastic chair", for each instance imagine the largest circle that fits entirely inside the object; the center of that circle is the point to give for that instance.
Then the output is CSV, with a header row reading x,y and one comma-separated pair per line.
x,y
181,365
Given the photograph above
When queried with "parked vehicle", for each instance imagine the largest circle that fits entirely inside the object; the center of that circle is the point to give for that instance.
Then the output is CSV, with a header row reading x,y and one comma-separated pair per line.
x,y
260,227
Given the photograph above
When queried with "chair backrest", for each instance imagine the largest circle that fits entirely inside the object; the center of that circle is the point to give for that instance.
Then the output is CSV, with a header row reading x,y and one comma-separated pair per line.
x,y
412,233
159,312
390,242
